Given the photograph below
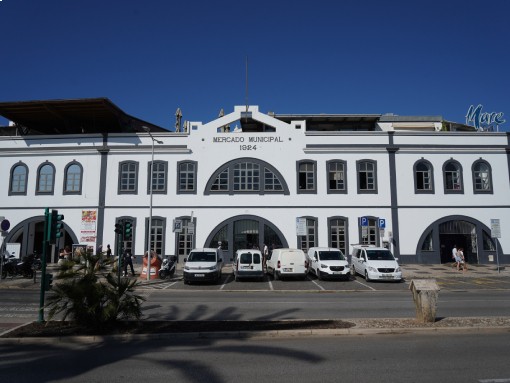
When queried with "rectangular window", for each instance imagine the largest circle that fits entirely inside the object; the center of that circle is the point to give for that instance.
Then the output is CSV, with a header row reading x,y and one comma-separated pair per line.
x,y
156,236
338,236
336,176
308,240
128,177
187,177
306,176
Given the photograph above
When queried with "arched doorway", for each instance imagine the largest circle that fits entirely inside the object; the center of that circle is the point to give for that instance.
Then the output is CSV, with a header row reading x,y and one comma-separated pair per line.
x,y
245,231
30,235
437,241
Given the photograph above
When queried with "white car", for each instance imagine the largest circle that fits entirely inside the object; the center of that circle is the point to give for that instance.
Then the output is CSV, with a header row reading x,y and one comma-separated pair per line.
x,y
203,265
375,263
327,262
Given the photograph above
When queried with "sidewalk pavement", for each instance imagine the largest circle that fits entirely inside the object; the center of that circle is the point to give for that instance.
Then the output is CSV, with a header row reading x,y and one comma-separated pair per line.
x,y
411,271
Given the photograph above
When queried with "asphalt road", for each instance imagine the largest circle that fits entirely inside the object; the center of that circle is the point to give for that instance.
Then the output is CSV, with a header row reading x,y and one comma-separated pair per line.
x,y
21,306
392,358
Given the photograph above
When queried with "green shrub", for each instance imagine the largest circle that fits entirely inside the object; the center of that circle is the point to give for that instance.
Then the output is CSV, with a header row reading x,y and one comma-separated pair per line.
x,y
87,293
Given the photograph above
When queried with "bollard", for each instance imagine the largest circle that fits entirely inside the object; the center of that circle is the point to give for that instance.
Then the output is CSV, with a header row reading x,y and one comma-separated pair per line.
x,y
425,293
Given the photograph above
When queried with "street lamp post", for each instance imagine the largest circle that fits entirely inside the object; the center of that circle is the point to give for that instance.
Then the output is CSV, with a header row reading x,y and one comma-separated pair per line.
x,y
151,182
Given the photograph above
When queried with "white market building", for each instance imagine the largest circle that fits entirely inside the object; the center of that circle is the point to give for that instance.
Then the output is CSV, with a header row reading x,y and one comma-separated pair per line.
x,y
249,178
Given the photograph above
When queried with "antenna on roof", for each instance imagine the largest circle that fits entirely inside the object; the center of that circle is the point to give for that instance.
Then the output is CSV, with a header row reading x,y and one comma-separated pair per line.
x,y
178,117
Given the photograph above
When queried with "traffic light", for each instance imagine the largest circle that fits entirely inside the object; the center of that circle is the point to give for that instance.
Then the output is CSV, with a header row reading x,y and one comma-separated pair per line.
x,y
128,231
56,226
118,228
48,282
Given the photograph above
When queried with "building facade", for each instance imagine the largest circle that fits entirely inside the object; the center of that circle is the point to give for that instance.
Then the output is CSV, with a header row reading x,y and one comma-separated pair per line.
x,y
418,185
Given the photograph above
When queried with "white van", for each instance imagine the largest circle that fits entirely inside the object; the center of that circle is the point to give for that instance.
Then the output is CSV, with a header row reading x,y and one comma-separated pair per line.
x,y
375,263
287,263
203,265
247,263
327,262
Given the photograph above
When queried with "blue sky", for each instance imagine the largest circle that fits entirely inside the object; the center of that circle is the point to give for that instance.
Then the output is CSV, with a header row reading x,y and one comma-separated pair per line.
x,y
338,57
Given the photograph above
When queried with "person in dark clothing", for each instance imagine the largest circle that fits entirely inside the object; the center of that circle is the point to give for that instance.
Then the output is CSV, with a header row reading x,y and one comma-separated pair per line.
x,y
128,260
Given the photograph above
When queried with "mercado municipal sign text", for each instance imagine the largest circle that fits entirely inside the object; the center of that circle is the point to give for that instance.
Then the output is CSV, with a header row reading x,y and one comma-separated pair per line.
x,y
483,121
247,142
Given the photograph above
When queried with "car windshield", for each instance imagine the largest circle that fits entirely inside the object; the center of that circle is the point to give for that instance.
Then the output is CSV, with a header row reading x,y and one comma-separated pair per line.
x,y
380,255
202,256
331,256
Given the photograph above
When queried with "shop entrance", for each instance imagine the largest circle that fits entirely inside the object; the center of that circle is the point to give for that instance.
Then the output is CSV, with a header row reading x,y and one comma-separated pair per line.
x,y
461,234
245,232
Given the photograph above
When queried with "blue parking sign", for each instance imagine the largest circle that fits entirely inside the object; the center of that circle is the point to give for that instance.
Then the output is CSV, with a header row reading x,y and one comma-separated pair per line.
x,y
382,223
363,221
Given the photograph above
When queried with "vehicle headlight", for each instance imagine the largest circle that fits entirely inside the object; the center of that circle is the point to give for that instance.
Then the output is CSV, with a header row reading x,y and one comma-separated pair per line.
x,y
212,268
372,269
323,266
186,267
398,269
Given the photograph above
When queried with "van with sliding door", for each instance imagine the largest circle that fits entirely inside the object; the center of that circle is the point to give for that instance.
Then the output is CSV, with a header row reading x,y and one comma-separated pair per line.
x,y
247,263
287,263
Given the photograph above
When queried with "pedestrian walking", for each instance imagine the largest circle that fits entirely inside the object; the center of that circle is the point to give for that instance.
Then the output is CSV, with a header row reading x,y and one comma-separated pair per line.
x,y
128,260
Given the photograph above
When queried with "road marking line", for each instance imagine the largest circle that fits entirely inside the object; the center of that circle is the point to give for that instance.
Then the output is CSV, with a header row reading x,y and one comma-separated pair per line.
x,y
319,286
270,284
226,281
362,284
494,380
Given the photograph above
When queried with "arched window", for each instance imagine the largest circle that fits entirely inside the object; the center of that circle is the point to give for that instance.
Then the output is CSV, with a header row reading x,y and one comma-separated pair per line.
x,y
482,177
73,178
246,176
45,178
423,177
452,175
337,176
18,180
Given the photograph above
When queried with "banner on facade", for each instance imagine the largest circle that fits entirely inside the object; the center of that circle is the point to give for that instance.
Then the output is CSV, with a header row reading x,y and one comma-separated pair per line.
x,y
88,233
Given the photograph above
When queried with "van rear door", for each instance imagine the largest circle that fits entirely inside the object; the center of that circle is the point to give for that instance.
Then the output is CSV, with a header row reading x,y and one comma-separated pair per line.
x,y
293,261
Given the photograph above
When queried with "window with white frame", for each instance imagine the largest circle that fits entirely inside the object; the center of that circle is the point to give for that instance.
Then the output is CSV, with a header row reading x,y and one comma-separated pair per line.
x,y
310,238
128,177
187,174
19,178
73,178
337,181
307,176
482,177
367,176
452,174
423,177
246,175
45,179
159,177
338,237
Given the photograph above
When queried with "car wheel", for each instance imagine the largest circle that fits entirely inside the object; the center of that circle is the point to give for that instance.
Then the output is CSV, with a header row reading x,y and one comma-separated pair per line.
x,y
367,278
318,274
275,275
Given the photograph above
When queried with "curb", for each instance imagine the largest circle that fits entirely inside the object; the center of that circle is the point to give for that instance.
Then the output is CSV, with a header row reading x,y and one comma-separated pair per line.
x,y
353,331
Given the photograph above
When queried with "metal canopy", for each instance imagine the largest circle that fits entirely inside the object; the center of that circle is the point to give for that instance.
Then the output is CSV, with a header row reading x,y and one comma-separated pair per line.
x,y
94,115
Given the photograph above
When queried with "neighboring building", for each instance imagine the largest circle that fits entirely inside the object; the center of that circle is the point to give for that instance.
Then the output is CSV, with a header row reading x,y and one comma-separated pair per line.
x,y
249,178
